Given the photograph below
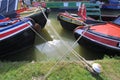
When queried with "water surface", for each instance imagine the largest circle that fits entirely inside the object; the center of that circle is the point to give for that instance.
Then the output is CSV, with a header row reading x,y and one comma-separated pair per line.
x,y
51,46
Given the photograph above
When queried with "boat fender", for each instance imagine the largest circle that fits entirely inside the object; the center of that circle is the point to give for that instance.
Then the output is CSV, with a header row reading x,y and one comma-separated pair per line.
x,y
96,67
37,27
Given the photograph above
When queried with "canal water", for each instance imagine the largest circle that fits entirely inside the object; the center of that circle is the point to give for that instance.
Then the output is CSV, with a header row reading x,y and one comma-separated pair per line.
x,y
50,45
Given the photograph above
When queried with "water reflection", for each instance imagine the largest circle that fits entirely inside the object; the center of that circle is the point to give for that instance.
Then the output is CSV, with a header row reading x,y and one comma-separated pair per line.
x,y
26,55
52,49
90,54
49,46
43,36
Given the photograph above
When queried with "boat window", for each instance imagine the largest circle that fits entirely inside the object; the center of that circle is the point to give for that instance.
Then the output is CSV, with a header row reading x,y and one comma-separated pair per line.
x,y
117,21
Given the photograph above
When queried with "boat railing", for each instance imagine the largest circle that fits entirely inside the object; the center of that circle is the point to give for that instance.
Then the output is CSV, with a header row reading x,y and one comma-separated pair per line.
x,y
93,9
65,4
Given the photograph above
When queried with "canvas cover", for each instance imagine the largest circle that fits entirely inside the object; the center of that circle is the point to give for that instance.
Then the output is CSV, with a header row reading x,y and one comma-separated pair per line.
x,y
8,6
82,11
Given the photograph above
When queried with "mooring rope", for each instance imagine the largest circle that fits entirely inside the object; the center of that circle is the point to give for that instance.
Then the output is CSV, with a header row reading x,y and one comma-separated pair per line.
x,y
44,38
69,49
38,33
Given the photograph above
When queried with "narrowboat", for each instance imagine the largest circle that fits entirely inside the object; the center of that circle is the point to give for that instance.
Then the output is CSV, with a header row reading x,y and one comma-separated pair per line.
x,y
16,27
16,35
71,21
103,37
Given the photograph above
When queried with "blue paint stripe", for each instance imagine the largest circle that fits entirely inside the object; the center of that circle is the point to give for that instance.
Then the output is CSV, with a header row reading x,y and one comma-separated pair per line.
x,y
14,25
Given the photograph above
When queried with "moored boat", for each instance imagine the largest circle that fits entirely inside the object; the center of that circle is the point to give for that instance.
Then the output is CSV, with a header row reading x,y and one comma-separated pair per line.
x,y
104,37
15,35
68,21
39,15
71,21
17,8
16,31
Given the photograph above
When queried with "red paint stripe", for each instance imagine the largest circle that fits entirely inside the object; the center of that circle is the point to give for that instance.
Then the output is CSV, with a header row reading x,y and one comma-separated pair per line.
x,y
13,31
101,39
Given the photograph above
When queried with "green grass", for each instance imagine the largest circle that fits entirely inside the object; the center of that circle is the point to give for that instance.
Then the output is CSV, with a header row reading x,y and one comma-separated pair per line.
x,y
63,71
25,70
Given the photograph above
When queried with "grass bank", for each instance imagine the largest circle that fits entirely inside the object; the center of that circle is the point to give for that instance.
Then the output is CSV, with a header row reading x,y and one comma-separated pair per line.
x,y
26,70
63,71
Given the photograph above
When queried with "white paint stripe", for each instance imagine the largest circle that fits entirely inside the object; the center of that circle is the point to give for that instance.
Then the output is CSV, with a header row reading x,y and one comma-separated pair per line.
x,y
102,43
0,2
7,6
14,33
16,27
13,28
16,4
79,31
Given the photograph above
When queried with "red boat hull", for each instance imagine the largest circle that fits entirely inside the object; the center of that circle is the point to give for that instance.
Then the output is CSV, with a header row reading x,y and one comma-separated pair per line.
x,y
103,37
